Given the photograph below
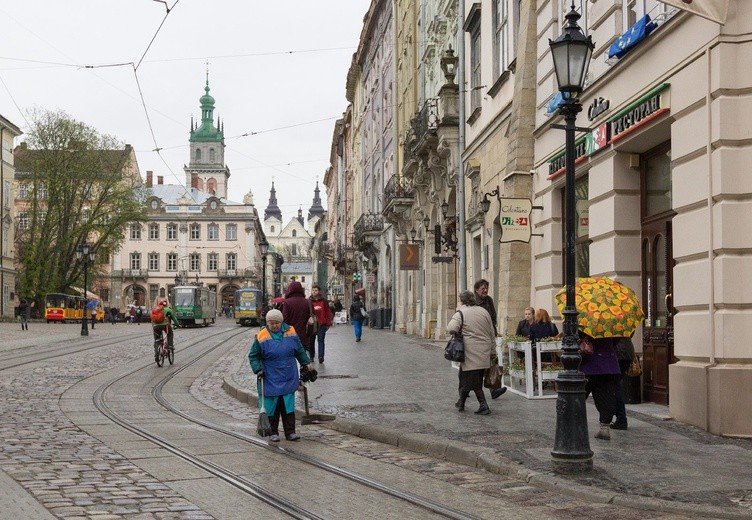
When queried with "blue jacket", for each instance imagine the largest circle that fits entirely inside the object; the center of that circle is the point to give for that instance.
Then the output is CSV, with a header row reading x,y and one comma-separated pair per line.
x,y
278,360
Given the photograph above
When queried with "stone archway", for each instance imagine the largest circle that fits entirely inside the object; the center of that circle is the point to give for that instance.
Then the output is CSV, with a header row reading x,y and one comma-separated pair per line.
x,y
227,296
135,294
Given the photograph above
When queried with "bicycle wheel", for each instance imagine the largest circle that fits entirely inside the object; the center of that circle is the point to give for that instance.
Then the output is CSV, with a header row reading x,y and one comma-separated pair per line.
x,y
171,355
160,355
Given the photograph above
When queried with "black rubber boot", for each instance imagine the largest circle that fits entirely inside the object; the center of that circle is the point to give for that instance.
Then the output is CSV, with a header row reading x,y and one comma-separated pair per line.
x,y
483,409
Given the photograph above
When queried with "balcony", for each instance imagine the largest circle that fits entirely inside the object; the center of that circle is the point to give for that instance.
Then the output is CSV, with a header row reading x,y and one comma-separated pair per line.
x,y
236,274
399,196
423,127
367,230
135,273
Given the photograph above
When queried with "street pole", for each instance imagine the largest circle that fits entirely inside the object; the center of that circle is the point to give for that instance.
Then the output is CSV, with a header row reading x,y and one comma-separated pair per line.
x,y
571,453
263,284
571,53
85,321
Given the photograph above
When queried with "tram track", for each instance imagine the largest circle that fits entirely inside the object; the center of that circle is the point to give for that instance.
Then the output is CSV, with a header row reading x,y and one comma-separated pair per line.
x,y
230,477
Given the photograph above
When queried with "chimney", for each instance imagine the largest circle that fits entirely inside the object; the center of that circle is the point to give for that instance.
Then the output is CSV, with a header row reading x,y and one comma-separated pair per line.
x,y
160,179
149,178
194,180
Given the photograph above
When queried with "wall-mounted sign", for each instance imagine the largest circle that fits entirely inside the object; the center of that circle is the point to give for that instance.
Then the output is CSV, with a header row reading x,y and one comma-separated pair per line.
x,y
645,109
597,107
514,217
409,257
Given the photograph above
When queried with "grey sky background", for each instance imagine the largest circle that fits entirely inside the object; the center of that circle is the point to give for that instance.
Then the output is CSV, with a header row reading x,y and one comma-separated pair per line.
x,y
271,65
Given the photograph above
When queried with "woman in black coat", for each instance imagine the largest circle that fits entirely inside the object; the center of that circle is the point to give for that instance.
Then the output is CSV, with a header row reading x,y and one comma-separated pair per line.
x,y
296,310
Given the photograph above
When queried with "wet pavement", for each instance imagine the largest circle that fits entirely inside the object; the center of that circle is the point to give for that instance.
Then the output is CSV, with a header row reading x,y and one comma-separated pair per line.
x,y
399,389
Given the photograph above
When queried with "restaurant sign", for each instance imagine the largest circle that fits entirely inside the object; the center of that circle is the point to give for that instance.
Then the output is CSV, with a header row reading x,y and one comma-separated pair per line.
x,y
645,109
514,217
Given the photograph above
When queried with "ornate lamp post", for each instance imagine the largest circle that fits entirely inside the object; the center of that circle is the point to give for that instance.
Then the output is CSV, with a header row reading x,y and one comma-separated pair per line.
x,y
571,53
86,254
264,249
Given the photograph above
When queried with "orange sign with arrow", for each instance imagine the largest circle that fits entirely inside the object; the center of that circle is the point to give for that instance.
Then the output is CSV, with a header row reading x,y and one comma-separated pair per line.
x,y
409,258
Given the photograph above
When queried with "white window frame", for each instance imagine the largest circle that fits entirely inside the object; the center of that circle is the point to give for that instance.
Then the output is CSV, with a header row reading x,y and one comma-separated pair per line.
x,y
153,261
172,231
232,261
135,260
503,44
194,262
195,231
23,220
212,232
212,262
231,232
172,262
153,231
135,231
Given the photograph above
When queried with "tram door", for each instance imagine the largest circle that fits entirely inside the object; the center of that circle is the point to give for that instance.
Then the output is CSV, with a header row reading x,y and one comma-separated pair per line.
x,y
657,275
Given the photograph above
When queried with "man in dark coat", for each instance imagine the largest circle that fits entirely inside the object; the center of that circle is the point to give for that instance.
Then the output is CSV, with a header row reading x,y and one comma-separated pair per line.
x,y
296,310
485,301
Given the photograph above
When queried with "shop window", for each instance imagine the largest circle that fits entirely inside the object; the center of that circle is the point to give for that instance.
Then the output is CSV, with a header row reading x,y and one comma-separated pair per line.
x,y
582,238
656,181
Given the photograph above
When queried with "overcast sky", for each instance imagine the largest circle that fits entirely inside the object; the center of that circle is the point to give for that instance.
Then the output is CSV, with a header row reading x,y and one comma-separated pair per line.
x,y
271,65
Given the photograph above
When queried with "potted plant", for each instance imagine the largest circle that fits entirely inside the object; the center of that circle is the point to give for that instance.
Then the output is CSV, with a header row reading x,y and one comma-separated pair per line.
x,y
550,371
549,344
517,342
517,370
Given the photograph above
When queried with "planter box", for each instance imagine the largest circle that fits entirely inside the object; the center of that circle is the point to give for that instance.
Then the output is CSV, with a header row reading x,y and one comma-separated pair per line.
x,y
548,375
519,346
517,373
549,346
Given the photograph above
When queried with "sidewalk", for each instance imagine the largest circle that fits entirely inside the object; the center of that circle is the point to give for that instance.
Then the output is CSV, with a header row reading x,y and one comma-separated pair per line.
x,y
399,389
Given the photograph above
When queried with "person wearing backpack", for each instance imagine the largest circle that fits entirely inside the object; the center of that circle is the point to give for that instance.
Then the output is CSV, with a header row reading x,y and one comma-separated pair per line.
x,y
161,316
357,311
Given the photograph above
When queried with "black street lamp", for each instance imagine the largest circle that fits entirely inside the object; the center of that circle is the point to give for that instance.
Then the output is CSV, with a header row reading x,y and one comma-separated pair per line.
x,y
86,254
264,249
571,53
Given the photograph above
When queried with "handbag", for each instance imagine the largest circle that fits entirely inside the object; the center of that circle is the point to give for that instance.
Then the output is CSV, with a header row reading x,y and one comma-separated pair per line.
x,y
312,326
363,312
634,369
455,347
492,377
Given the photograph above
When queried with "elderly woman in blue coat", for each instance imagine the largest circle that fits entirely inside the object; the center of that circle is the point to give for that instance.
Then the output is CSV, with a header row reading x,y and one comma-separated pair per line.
x,y
274,357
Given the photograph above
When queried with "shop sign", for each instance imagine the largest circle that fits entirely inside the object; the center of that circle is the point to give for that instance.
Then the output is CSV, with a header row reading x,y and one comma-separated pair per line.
x,y
514,217
409,257
645,109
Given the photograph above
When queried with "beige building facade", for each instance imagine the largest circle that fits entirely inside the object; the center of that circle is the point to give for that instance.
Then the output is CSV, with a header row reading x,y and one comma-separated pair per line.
x,y
663,176
8,298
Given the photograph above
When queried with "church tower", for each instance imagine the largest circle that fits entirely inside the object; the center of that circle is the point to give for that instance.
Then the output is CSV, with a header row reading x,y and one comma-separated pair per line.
x,y
206,168
316,209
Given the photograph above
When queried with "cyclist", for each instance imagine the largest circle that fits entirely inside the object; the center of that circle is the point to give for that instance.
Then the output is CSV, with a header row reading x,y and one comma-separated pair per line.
x,y
164,311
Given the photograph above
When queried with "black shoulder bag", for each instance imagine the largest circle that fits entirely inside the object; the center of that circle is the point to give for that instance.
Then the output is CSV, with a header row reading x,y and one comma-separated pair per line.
x,y
455,348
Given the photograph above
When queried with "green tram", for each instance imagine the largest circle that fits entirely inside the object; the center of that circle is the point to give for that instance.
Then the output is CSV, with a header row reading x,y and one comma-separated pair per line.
x,y
194,305
249,307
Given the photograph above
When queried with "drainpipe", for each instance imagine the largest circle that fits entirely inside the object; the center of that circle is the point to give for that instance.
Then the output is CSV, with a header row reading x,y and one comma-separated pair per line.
x,y
462,281
711,238
397,170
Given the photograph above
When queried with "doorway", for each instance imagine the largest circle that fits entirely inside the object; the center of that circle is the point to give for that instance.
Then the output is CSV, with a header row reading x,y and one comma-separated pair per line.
x,y
657,273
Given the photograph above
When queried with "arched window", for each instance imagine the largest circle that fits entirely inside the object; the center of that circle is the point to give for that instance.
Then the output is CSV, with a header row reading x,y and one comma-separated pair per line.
x,y
211,186
198,154
271,229
294,233
212,155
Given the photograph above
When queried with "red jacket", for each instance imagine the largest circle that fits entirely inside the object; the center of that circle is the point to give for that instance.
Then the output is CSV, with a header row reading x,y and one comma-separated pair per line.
x,y
296,310
322,310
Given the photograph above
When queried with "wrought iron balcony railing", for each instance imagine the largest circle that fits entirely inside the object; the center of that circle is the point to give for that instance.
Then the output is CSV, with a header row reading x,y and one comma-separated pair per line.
x,y
426,121
368,224
399,187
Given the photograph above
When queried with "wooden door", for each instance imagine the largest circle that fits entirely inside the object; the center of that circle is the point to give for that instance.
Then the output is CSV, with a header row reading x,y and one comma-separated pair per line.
x,y
658,333
657,273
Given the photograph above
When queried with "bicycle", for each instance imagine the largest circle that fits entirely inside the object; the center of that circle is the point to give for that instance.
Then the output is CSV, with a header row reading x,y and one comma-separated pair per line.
x,y
162,350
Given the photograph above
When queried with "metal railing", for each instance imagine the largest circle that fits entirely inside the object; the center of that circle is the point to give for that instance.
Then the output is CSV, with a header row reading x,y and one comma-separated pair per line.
x,y
425,121
398,187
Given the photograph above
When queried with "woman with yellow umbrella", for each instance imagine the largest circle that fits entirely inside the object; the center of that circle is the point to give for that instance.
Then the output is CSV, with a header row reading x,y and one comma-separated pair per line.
x,y
607,311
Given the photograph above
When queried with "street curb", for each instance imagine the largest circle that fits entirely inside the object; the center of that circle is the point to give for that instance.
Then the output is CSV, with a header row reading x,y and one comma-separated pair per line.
x,y
493,462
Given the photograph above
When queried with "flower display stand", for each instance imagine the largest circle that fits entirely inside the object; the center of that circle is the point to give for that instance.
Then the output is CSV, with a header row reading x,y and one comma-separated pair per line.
x,y
528,382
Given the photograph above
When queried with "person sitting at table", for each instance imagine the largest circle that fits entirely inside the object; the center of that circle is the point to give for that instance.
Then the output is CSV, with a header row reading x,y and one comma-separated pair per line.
x,y
523,327
542,327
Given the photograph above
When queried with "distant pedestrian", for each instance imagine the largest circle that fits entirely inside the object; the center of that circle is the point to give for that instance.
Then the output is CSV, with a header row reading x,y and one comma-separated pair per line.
x,y
296,309
324,316
485,301
132,315
113,314
479,338
139,314
523,327
601,367
357,311
624,354
23,312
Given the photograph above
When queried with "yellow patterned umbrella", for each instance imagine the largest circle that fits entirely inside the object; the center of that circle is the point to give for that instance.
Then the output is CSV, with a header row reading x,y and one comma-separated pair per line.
x,y
606,308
